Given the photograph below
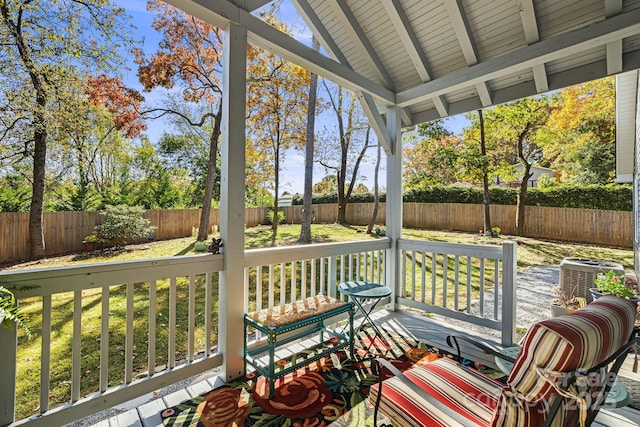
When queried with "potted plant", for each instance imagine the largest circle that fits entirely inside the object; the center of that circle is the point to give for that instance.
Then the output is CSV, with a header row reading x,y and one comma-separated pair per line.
x,y
611,284
92,241
565,302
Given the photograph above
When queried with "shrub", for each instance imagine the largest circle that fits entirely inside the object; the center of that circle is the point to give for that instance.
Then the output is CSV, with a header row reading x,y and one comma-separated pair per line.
x,y
124,222
281,218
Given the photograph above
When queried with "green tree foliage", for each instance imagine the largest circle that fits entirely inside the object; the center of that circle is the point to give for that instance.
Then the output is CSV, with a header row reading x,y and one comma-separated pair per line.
x,y
433,156
277,106
580,138
189,55
44,44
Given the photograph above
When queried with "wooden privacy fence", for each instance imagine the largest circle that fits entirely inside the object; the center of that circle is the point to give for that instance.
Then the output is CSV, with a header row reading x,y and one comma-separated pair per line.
x,y
64,231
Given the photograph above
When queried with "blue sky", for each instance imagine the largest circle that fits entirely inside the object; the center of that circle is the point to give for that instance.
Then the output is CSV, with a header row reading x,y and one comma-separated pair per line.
x,y
292,175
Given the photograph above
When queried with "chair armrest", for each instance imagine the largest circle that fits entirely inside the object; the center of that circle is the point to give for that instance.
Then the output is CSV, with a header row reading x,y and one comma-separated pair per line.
x,y
452,340
380,362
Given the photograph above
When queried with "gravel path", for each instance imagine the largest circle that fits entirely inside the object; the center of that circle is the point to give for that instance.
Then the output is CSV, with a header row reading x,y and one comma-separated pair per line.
x,y
533,300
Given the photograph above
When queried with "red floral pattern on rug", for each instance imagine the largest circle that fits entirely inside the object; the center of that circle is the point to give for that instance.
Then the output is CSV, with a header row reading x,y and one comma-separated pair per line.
x,y
317,396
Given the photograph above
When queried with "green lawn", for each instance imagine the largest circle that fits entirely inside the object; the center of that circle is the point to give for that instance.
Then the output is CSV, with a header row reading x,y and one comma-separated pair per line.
x,y
530,251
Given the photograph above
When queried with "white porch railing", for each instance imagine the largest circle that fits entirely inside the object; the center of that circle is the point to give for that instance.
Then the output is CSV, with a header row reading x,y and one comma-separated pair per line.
x,y
166,311
275,276
145,308
473,283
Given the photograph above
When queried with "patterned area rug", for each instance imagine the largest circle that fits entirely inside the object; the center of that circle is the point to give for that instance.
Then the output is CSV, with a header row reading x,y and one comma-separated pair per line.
x,y
333,390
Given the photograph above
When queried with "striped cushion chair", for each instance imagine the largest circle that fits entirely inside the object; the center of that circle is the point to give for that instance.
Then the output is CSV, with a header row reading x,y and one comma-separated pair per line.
x,y
560,378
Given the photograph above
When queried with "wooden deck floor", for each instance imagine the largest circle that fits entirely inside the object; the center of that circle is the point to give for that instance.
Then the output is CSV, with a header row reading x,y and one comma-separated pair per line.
x,y
146,411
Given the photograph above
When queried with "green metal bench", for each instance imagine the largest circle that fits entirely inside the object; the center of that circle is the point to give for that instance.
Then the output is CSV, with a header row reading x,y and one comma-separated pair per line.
x,y
280,324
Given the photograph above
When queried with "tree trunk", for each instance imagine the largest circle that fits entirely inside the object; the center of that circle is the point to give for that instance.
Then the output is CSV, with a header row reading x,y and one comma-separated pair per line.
x,y
36,212
274,223
212,171
376,196
305,228
526,174
485,176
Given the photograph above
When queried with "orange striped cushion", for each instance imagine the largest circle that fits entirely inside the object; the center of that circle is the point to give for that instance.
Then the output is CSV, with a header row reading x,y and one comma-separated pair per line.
x,y
579,340
464,390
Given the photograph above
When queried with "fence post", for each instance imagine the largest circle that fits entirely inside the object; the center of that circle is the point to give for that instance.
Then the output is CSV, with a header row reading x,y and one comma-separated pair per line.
x,y
509,285
9,345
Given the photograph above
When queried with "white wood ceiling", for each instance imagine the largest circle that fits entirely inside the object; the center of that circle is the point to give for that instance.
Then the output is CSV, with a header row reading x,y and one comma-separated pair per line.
x,y
444,57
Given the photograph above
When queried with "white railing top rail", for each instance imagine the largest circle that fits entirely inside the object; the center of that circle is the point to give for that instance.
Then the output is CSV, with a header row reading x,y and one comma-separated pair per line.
x,y
460,249
266,256
49,281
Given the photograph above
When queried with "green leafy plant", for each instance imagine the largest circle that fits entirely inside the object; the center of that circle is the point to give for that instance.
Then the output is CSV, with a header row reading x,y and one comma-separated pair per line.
x,y
610,283
124,222
9,311
93,238
280,216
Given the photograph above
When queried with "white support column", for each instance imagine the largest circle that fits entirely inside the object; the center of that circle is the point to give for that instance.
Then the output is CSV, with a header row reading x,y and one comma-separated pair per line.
x,y
394,202
232,193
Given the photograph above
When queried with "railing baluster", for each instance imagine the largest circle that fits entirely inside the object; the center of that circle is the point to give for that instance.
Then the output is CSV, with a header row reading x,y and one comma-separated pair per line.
x,y
331,278
151,346
433,277
171,362
496,287
272,280
104,340
76,346
303,279
45,357
313,277
445,278
424,276
413,275
258,288
456,284
358,272
323,276
128,349
403,274
294,284
481,287
343,268
207,314
283,284
192,317
350,257
468,284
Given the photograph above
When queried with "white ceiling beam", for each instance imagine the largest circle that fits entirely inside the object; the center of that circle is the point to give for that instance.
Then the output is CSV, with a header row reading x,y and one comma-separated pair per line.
x,y
263,35
612,7
554,48
463,33
462,30
368,104
350,23
250,5
407,36
614,49
614,57
532,35
540,78
570,77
